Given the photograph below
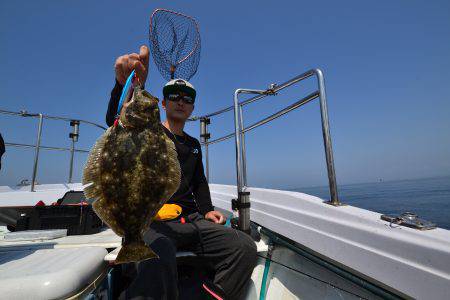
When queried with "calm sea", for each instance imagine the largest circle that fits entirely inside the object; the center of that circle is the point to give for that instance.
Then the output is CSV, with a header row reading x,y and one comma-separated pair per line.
x,y
429,197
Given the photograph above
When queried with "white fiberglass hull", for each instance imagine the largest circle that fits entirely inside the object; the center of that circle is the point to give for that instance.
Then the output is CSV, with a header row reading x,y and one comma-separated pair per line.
x,y
404,261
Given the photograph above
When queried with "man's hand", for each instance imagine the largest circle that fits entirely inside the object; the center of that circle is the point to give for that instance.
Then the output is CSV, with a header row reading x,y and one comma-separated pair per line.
x,y
216,217
125,64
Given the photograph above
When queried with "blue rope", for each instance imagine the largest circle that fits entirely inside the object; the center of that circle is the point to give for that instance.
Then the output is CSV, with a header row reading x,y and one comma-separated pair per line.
x,y
228,222
262,292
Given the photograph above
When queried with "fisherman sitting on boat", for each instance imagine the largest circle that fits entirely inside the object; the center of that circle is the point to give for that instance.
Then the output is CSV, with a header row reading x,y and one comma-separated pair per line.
x,y
199,227
2,149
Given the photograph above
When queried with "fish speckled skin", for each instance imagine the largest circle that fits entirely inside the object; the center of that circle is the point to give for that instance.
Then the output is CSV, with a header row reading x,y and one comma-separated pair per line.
x,y
132,170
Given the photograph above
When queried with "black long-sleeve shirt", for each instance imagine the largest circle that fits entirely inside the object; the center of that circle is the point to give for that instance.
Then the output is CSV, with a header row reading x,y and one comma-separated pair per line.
x,y
193,194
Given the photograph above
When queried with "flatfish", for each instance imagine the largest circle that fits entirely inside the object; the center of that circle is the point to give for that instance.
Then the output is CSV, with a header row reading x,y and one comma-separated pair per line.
x,y
131,171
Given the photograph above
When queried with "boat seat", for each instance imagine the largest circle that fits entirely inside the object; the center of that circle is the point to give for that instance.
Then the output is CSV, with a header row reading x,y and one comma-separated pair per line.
x,y
111,256
50,273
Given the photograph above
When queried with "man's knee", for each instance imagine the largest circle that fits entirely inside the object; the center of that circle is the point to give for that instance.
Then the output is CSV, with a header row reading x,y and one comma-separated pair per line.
x,y
243,245
249,246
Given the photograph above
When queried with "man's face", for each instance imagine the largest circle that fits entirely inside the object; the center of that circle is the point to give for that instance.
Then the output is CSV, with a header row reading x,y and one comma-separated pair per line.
x,y
177,109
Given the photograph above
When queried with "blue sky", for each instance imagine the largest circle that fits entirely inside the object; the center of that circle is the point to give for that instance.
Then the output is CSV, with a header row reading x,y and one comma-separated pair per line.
x,y
386,66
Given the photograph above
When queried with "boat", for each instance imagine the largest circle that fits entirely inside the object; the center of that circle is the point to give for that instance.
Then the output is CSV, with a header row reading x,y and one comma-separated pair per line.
x,y
308,248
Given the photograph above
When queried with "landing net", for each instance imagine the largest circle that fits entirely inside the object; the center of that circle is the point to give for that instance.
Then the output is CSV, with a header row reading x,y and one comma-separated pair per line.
x,y
174,43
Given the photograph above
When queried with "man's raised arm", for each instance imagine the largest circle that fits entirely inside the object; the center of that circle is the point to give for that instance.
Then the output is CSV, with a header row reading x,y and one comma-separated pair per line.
x,y
123,67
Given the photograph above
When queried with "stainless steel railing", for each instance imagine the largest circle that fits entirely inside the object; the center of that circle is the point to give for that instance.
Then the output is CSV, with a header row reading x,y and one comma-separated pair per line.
x,y
243,201
73,136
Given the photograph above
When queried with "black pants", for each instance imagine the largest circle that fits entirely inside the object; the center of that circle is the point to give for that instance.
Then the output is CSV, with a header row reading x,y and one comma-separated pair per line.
x,y
230,252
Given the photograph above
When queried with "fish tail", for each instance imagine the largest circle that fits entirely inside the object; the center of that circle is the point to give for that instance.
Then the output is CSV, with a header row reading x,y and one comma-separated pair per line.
x,y
135,252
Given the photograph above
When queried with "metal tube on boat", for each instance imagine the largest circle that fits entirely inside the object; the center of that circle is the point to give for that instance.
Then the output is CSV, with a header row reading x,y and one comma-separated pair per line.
x,y
72,149
277,88
237,138
18,145
294,80
327,139
74,136
24,113
36,155
207,161
284,111
244,156
243,196
204,138
278,114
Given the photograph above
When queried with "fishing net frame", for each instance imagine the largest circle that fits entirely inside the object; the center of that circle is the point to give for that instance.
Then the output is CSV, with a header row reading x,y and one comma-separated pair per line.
x,y
175,43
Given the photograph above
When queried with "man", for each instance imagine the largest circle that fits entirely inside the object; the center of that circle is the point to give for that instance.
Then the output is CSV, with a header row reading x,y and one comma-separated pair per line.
x,y
199,228
2,149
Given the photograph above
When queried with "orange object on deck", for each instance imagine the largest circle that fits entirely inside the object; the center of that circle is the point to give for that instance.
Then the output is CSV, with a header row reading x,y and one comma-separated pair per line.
x,y
168,212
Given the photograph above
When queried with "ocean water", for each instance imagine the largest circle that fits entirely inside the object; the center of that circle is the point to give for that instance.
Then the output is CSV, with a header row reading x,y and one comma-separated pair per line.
x,y
429,198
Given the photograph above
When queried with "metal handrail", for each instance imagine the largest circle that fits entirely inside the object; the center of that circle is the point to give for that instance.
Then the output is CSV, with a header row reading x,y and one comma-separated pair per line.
x,y
284,111
19,145
24,113
276,88
240,130
74,136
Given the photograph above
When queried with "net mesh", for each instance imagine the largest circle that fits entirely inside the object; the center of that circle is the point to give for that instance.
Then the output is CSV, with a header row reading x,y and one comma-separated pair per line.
x,y
175,44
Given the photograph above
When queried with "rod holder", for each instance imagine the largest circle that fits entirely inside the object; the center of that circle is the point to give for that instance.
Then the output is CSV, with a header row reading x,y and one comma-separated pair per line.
x,y
74,136
204,138
242,205
204,134
76,130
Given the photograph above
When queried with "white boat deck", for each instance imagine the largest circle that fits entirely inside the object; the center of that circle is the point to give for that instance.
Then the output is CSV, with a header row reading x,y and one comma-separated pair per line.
x,y
48,193
49,273
106,239
405,261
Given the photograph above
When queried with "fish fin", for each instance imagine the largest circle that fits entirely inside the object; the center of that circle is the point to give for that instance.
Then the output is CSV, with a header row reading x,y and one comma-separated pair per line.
x,y
134,252
92,192
106,216
91,172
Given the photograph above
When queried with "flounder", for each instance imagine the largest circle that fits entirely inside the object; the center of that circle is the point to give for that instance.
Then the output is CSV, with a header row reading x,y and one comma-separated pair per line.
x,y
132,170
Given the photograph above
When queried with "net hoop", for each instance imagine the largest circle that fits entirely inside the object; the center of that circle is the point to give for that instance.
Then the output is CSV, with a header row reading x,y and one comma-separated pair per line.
x,y
197,42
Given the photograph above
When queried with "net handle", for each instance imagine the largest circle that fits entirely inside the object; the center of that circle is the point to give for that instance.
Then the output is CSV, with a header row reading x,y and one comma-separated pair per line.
x,y
183,15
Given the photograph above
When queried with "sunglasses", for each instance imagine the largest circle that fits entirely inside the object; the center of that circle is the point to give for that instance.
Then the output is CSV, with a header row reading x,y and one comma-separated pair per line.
x,y
185,98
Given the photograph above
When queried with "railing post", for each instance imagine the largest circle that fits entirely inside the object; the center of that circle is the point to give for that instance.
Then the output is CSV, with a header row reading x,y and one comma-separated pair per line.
x,y
244,156
74,136
243,197
36,155
243,223
327,139
204,138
